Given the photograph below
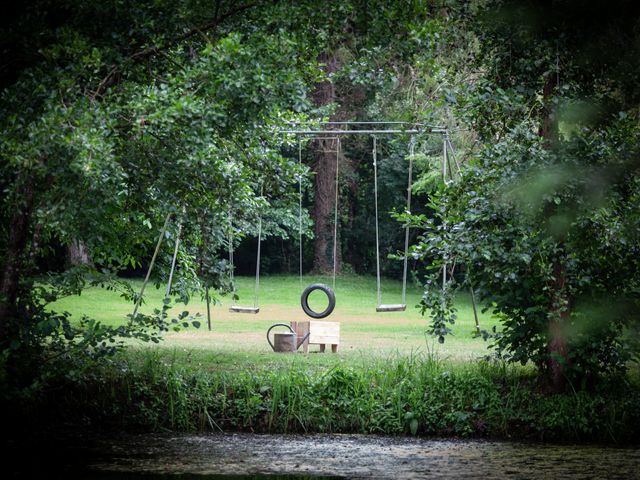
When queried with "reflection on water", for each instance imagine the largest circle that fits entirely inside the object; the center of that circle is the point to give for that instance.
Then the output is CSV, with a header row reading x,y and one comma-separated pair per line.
x,y
191,476
247,456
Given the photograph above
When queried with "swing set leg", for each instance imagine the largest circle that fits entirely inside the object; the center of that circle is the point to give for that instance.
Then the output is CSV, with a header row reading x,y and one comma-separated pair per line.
x,y
153,260
208,308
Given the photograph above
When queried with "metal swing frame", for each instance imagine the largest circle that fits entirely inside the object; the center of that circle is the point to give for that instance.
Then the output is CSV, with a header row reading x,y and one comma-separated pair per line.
x,y
373,129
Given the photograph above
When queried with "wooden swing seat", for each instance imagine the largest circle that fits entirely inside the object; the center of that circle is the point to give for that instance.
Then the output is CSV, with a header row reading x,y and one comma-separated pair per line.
x,y
239,309
392,307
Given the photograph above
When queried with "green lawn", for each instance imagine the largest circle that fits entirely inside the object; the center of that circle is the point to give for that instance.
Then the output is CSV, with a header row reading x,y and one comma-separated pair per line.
x,y
237,339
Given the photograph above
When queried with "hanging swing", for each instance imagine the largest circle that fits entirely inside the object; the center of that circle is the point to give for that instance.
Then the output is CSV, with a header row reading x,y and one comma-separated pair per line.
x,y
393,307
239,308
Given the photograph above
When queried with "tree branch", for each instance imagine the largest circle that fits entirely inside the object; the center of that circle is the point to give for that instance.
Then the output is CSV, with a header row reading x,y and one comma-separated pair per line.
x,y
150,51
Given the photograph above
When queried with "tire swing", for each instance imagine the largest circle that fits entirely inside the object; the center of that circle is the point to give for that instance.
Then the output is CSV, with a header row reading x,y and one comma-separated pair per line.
x,y
304,300
394,307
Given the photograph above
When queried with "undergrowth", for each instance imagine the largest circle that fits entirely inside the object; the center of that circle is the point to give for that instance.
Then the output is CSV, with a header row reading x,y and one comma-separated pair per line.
x,y
415,395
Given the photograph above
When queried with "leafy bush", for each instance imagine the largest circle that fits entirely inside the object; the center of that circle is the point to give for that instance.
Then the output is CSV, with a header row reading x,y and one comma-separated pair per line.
x,y
46,349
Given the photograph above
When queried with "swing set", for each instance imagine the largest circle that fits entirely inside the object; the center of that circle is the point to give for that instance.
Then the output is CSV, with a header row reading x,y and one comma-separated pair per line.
x,y
373,130
333,131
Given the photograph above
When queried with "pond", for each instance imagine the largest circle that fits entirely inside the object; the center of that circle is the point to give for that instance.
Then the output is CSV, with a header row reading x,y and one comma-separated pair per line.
x,y
248,456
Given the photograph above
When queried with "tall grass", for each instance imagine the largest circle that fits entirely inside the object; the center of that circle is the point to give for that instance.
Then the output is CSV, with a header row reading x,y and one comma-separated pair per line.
x,y
408,395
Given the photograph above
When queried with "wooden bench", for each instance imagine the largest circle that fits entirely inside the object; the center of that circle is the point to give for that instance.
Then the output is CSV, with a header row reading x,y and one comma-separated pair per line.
x,y
321,333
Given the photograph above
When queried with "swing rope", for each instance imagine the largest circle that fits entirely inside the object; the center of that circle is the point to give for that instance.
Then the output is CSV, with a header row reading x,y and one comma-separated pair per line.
x,y
335,216
453,153
153,261
448,150
300,205
173,260
231,264
257,287
412,145
445,165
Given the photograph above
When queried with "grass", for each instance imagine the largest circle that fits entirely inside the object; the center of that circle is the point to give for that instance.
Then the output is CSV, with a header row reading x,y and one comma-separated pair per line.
x,y
236,340
387,377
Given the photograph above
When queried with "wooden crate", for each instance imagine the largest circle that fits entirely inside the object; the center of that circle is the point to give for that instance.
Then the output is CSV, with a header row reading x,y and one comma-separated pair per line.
x,y
322,333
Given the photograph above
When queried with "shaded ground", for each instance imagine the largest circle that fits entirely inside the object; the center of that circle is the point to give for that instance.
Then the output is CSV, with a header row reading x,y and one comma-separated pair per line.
x,y
351,456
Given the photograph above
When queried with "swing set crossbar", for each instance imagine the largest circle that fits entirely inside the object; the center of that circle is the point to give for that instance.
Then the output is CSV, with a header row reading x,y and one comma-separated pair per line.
x,y
350,132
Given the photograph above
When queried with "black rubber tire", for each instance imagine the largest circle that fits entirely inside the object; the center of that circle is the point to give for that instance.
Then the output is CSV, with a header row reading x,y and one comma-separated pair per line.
x,y
304,300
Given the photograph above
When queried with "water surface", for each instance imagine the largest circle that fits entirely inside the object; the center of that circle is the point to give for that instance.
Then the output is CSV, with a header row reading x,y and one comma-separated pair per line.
x,y
248,456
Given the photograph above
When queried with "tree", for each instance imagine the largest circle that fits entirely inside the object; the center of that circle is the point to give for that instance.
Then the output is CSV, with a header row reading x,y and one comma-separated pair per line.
x,y
123,120
545,212
363,47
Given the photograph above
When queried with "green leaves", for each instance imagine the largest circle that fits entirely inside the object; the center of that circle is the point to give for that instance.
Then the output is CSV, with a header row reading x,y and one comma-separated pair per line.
x,y
511,221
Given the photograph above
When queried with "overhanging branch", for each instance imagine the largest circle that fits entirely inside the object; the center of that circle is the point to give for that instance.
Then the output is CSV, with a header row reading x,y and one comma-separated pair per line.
x,y
154,50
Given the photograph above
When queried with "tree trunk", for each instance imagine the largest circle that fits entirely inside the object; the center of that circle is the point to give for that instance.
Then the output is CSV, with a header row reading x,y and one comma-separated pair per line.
x,y
78,254
560,311
36,238
560,306
549,125
324,206
14,258
324,165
